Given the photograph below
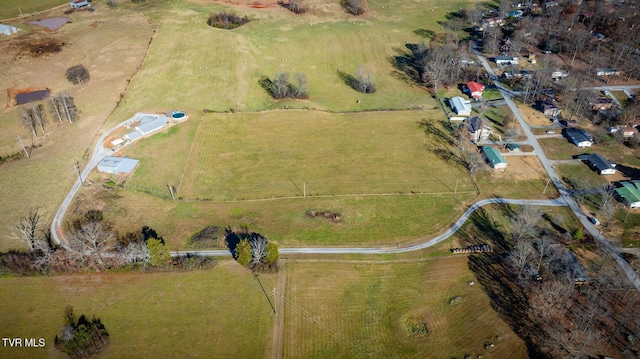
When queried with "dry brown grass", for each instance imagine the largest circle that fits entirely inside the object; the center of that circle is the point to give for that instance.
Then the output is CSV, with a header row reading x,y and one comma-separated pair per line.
x,y
533,116
111,45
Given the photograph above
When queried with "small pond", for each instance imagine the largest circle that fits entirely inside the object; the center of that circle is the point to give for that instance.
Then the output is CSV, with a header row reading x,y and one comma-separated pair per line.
x,y
27,97
52,23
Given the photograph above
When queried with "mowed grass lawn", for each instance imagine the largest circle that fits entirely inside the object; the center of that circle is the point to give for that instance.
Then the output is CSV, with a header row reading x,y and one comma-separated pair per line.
x,y
218,313
357,310
192,65
561,149
227,157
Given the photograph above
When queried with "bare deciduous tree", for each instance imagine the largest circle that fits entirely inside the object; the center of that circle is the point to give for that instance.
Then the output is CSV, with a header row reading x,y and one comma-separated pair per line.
x,y
77,74
69,109
281,85
520,256
92,242
258,249
548,301
27,230
301,86
27,120
356,7
525,225
364,80
54,108
39,115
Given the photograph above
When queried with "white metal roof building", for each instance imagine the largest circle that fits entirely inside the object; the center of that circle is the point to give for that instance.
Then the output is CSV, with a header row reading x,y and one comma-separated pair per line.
x,y
461,106
117,165
149,123
8,30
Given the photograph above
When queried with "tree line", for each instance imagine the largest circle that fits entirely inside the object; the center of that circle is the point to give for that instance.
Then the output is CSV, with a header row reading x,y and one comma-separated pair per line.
x,y
252,249
35,117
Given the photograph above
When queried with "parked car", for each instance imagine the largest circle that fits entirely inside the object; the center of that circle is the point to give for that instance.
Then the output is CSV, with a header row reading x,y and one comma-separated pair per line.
x,y
594,220
551,131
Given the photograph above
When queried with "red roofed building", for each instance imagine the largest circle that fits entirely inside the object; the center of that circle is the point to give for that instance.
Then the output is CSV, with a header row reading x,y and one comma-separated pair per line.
x,y
475,90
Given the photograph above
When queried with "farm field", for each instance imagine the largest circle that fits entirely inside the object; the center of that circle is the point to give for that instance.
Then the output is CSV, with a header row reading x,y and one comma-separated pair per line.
x,y
359,309
293,153
228,65
111,45
219,313
11,8
364,220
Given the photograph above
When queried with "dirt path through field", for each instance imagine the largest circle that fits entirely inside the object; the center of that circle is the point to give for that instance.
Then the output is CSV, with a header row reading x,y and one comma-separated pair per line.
x,y
278,329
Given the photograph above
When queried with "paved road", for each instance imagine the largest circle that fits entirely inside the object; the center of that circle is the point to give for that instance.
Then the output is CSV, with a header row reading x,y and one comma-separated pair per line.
x,y
390,250
564,192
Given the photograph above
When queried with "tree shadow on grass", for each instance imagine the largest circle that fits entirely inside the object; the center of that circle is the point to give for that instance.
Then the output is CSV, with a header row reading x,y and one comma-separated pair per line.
x,y
267,85
407,65
348,79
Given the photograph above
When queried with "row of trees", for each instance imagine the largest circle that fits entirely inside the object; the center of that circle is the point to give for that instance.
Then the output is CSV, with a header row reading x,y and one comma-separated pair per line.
x,y
35,117
284,85
93,244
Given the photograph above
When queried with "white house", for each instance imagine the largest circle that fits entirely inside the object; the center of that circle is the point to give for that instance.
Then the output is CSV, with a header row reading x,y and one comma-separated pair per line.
x,y
478,129
607,72
147,123
599,163
506,60
117,165
578,137
460,106
8,30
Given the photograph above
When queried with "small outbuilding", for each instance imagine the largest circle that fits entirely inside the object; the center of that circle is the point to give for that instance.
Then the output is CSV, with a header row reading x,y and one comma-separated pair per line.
x,y
8,30
506,60
599,163
494,158
460,106
117,165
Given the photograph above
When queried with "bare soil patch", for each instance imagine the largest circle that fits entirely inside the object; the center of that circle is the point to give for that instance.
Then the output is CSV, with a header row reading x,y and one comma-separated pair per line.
x,y
533,116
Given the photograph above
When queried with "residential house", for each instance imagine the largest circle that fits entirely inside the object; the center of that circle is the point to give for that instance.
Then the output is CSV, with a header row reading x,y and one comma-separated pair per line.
x,y
550,108
117,165
606,71
478,129
629,193
147,123
578,137
8,30
628,132
460,106
601,104
474,90
599,163
506,60
494,158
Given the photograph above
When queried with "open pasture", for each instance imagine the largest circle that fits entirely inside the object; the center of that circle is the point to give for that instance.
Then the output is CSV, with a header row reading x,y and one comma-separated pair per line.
x,y
293,153
360,309
12,8
364,220
111,45
192,65
218,313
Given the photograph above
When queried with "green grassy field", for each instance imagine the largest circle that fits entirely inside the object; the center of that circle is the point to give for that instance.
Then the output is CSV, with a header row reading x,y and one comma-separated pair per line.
x,y
357,310
227,65
12,8
219,313
290,153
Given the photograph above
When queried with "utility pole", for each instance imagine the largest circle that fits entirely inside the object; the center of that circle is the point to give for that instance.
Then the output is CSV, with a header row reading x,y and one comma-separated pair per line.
x,y
255,276
304,189
547,185
77,167
21,15
25,149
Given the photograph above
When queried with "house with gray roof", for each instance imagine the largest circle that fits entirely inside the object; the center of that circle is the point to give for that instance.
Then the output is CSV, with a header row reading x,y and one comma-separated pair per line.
x,y
599,163
117,165
145,124
578,137
460,106
478,129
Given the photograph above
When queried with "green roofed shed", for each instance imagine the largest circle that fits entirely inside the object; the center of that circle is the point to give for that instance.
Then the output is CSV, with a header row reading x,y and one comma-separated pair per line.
x,y
495,159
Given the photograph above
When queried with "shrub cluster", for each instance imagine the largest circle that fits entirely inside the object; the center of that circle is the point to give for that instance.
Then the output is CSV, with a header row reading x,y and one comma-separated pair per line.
x,y
355,7
226,20
77,74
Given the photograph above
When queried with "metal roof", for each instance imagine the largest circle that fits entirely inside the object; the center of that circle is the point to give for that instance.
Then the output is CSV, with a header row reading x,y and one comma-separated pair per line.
x,y
493,156
111,164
